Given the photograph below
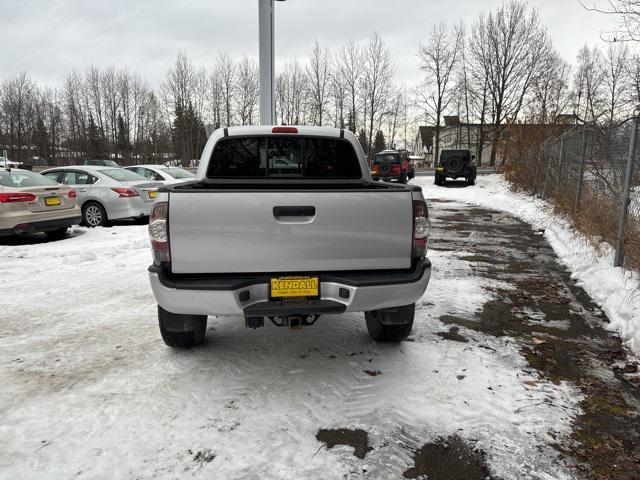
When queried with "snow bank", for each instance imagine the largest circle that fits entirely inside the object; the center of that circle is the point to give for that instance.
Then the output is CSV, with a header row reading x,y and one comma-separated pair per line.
x,y
613,289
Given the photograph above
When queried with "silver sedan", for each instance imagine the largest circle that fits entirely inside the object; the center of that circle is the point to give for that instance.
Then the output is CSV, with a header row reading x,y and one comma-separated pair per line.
x,y
107,193
162,173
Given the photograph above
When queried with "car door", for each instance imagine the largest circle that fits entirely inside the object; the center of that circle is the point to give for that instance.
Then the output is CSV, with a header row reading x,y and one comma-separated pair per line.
x,y
82,183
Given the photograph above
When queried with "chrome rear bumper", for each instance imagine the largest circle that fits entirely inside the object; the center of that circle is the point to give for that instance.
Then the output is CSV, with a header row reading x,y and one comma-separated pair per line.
x,y
231,295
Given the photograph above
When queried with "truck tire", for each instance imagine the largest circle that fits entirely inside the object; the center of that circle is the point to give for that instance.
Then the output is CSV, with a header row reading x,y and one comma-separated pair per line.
x,y
390,326
403,178
472,177
181,331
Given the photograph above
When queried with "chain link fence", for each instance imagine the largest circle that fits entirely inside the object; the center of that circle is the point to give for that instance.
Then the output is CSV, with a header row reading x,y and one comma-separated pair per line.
x,y
591,174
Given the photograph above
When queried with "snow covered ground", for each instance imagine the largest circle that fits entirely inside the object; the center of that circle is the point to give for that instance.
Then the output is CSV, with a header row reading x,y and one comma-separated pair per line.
x,y
90,391
615,291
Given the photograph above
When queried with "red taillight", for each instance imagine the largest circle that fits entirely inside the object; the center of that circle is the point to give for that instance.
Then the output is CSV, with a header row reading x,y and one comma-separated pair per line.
x,y
421,227
159,232
73,194
284,130
375,168
125,192
395,169
17,197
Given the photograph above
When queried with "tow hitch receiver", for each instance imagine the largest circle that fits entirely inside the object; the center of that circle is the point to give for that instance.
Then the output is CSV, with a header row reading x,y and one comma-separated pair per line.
x,y
294,322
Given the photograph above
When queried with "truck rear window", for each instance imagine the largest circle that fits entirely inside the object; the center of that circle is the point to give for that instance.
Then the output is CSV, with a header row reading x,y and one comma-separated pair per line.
x,y
306,157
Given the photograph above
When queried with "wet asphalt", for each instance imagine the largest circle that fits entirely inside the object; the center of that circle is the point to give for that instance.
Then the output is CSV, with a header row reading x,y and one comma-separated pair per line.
x,y
561,332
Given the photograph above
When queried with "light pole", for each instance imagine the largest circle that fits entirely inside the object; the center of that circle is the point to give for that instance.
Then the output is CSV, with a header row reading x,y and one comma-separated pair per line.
x,y
265,28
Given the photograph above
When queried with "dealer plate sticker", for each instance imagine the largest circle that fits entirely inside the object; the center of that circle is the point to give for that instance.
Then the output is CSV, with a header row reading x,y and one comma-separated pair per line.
x,y
290,287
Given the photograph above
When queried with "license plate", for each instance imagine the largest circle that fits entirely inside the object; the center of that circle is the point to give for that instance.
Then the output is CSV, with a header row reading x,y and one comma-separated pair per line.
x,y
153,194
289,288
52,201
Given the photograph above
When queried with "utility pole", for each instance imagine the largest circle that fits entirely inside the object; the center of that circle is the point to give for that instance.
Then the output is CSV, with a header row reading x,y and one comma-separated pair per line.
x,y
266,57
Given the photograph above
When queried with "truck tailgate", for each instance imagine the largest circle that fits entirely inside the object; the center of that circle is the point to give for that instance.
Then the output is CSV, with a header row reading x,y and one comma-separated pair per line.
x,y
289,231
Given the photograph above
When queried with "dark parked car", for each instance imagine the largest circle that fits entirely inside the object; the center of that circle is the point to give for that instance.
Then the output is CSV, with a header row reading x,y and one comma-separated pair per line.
x,y
455,164
392,165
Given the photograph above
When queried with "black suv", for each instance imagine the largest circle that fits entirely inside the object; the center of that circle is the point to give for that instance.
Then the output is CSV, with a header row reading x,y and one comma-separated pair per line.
x,y
392,165
456,164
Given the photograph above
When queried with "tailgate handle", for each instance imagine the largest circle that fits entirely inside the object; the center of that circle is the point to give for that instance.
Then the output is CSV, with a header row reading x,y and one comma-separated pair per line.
x,y
294,211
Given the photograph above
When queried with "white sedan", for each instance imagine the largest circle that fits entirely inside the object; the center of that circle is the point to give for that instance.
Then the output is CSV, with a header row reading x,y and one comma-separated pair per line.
x,y
161,173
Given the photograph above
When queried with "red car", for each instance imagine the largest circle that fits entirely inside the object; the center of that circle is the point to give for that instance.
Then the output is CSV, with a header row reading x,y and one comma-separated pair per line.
x,y
392,165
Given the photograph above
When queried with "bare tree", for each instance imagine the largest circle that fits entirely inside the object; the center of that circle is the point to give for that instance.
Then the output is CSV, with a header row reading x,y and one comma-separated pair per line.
x,y
248,90
394,116
438,58
509,46
588,86
632,69
291,93
225,70
216,101
179,83
615,79
550,92
318,72
349,71
75,112
628,13
50,112
17,107
377,76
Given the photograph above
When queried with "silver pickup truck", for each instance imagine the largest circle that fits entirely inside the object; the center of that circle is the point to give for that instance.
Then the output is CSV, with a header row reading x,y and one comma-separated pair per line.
x,y
285,223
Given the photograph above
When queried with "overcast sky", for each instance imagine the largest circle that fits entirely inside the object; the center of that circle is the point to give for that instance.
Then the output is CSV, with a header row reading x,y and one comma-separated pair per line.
x,y
47,38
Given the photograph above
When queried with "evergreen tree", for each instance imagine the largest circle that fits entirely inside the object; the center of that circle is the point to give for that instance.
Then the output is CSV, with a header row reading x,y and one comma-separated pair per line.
x,y
41,139
95,138
362,138
379,143
188,134
123,146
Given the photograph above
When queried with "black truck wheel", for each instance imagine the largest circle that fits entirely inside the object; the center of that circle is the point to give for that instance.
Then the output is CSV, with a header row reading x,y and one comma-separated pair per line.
x,y
181,331
393,325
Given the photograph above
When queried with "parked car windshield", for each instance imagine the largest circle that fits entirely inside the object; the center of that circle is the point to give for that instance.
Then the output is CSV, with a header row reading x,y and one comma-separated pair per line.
x,y
177,172
306,157
24,178
389,157
121,175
